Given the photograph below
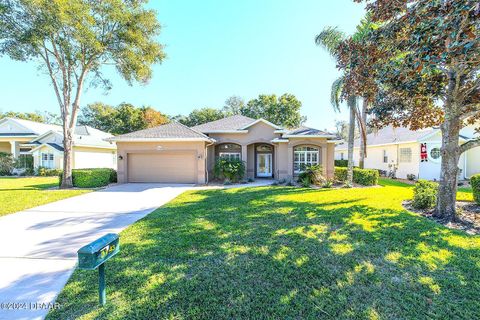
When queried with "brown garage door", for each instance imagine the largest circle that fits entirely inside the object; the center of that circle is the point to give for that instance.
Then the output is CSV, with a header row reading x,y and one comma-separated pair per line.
x,y
162,167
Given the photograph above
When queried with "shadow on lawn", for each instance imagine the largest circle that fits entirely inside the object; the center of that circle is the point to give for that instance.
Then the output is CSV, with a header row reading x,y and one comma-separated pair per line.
x,y
33,187
257,253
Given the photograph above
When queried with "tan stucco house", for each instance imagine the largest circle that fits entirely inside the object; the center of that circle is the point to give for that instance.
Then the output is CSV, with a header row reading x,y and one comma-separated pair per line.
x,y
175,153
44,142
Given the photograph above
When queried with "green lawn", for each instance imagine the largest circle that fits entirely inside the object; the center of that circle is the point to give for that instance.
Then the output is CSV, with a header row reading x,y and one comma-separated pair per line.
x,y
285,253
18,194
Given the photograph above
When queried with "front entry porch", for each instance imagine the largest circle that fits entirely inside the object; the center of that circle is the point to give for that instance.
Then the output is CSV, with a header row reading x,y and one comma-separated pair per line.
x,y
259,158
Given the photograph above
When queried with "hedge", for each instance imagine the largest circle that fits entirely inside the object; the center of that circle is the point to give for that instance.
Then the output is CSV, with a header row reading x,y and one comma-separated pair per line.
x,y
341,163
92,178
475,183
365,177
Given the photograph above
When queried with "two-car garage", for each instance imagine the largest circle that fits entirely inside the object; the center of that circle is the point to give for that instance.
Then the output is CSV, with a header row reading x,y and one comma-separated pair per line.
x,y
174,167
170,153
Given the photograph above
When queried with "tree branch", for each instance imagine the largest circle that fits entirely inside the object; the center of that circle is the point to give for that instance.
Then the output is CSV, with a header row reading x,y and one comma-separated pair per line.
x,y
470,145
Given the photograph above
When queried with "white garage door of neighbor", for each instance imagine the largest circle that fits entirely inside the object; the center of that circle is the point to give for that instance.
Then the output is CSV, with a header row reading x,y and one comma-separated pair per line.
x,y
163,167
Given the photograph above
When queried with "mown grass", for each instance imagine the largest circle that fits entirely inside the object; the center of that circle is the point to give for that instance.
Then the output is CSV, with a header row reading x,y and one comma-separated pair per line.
x,y
285,253
18,194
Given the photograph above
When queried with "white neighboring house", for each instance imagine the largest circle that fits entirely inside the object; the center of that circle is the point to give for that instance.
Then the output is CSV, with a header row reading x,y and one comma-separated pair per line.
x,y
44,143
401,148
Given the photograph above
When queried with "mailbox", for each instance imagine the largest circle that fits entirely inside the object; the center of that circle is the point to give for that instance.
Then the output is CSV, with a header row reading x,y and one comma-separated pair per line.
x,y
94,254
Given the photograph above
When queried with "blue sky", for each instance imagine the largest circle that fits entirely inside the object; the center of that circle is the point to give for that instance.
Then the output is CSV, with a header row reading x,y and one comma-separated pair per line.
x,y
216,49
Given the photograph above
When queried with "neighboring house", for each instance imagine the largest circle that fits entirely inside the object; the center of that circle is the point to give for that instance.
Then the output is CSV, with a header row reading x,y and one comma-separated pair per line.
x,y
412,152
44,142
178,154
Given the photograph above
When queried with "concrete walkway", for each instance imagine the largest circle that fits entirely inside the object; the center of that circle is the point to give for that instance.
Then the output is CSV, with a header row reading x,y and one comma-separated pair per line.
x,y
38,250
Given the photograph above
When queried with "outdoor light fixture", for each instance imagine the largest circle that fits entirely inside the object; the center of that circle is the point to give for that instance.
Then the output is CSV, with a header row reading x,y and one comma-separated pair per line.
x,y
120,157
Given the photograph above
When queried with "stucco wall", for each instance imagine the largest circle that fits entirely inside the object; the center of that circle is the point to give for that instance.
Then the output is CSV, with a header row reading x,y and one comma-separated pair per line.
x,y
5,147
374,159
57,157
282,154
123,148
325,157
94,158
473,162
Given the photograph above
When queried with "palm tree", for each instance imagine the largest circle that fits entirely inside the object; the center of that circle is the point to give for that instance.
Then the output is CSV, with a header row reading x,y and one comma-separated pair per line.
x,y
329,39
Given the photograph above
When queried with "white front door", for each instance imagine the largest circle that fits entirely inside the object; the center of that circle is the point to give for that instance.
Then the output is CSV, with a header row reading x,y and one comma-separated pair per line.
x,y
264,165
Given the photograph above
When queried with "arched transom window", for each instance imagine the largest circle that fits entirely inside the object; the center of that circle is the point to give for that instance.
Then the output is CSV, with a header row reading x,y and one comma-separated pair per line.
x,y
229,151
305,156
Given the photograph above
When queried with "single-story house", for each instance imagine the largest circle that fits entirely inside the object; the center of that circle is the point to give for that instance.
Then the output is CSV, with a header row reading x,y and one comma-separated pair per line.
x,y
411,152
175,153
44,142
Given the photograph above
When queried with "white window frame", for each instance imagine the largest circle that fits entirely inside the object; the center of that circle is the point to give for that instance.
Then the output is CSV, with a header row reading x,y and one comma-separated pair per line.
x,y
304,158
230,155
405,155
47,160
385,156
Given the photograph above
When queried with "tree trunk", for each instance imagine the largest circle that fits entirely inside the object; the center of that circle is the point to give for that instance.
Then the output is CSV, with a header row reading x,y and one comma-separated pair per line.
x,y
363,150
352,101
447,190
67,181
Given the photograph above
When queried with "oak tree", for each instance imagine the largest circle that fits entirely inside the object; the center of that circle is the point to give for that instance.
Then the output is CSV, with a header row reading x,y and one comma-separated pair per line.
x,y
421,65
72,40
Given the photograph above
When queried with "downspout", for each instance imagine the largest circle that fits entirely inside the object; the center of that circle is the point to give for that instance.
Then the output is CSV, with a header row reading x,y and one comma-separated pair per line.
x,y
465,165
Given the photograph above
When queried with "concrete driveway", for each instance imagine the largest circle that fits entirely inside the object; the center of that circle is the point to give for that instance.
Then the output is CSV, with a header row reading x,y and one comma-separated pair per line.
x,y
38,246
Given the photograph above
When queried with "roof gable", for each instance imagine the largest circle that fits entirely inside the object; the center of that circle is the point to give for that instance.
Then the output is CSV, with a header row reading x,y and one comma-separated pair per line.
x,y
9,127
37,128
169,131
261,120
228,124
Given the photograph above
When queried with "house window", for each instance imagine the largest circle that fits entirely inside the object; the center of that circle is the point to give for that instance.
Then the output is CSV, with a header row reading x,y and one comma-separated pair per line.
x,y
385,156
264,148
304,157
47,160
229,151
230,155
405,155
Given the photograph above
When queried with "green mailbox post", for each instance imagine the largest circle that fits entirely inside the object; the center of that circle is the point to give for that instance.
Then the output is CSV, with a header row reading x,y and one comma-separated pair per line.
x,y
95,255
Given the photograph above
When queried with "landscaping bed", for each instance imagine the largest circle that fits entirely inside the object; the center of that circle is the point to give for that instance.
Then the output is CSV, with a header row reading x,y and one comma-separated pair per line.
x,y
468,216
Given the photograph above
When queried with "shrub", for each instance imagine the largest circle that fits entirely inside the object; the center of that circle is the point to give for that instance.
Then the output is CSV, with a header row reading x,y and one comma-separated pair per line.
x,y
475,183
340,174
92,178
314,175
411,177
6,164
425,194
341,163
365,177
229,169
305,182
328,184
45,172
